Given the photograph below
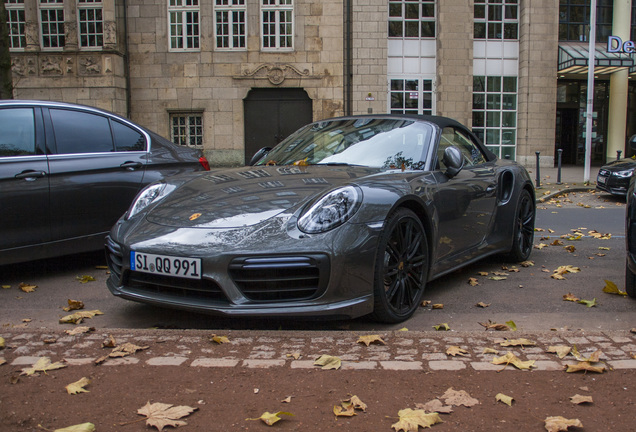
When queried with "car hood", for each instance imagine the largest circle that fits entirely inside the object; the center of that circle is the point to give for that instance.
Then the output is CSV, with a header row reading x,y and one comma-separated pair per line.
x,y
246,196
620,165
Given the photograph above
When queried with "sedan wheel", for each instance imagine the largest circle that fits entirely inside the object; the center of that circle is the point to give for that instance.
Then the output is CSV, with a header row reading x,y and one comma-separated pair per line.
x,y
523,234
401,267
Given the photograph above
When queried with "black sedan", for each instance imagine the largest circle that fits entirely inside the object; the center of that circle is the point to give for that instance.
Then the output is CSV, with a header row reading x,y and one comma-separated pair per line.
x,y
346,217
68,172
630,236
614,177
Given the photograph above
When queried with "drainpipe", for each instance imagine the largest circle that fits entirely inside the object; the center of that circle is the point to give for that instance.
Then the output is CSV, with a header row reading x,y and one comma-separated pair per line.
x,y
348,58
127,61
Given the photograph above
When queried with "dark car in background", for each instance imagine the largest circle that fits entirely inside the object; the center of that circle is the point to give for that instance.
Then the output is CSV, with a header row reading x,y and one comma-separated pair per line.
x,y
346,217
630,237
68,172
614,177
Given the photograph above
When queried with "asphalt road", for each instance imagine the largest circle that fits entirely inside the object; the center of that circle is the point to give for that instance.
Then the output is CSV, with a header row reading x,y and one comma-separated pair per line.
x,y
529,297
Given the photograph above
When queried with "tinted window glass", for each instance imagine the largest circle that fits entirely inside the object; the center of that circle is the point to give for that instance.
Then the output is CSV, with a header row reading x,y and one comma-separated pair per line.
x,y
470,150
17,132
127,138
80,132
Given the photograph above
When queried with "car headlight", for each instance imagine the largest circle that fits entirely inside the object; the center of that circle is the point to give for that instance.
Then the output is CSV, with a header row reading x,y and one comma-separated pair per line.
x,y
331,211
152,194
625,173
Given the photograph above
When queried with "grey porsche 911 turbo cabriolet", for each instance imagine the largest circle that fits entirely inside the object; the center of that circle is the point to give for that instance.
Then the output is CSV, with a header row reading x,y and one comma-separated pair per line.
x,y
346,217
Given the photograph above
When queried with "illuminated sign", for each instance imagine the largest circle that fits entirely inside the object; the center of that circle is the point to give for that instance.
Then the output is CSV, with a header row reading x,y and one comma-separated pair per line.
x,y
616,45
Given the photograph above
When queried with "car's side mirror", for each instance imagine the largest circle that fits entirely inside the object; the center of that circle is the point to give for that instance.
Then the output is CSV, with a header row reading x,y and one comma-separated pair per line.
x,y
632,142
453,160
259,155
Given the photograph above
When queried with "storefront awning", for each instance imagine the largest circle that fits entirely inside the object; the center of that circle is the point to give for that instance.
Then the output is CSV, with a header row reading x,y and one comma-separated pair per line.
x,y
574,59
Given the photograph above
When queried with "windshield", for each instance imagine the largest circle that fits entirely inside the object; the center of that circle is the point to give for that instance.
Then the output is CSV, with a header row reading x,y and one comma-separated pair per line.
x,y
372,142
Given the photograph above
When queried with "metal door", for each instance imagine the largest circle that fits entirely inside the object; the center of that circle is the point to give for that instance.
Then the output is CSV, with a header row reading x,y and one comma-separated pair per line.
x,y
273,114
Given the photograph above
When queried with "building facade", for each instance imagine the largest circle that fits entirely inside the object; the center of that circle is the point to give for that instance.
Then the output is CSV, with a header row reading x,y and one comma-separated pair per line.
x,y
231,76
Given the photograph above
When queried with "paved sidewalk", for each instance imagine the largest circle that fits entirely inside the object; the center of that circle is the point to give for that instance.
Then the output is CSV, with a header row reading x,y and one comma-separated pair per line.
x,y
403,350
572,180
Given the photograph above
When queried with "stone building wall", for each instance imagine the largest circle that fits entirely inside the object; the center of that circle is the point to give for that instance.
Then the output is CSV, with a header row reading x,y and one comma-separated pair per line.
x,y
538,51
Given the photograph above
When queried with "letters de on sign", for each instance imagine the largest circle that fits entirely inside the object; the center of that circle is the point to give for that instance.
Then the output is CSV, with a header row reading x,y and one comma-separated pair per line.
x,y
616,45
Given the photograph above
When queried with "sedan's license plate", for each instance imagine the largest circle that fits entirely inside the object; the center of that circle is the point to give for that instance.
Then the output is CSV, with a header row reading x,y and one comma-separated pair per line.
x,y
166,265
600,179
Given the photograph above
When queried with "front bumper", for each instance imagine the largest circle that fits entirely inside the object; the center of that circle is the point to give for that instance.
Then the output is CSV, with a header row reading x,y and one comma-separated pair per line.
x,y
607,182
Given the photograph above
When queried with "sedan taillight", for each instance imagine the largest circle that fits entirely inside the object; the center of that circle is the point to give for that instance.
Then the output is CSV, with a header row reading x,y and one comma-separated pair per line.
x,y
204,163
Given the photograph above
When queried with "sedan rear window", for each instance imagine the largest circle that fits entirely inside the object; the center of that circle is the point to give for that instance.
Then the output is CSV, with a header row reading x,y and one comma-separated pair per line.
x,y
80,132
127,138
17,132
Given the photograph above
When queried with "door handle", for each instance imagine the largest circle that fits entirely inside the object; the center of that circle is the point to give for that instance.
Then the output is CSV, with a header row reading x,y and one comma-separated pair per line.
x,y
30,175
131,166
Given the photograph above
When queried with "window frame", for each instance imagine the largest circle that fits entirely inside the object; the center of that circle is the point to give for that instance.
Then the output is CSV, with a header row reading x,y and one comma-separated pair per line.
x,y
235,25
84,7
275,9
569,26
488,14
185,139
14,9
425,86
184,9
60,25
407,20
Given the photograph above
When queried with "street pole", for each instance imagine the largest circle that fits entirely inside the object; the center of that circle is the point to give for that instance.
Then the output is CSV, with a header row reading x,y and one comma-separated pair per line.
x,y
590,93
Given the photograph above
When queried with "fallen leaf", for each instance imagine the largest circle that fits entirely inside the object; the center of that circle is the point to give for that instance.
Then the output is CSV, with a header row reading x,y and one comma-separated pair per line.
x,y
328,362
42,365
369,339
570,297
411,420
560,350
497,278
516,342
500,397
441,327
494,326
78,317
510,358
270,418
425,303
122,350
73,305
26,287
435,405
473,281
219,339
79,330
540,246
578,399
570,248
511,324
458,397
1,343
557,242
526,263
287,399
454,350
438,306
84,427
482,273
85,279
295,356
558,423
594,358
611,288
585,367
588,303
109,342
490,351
78,386
482,305
344,410
160,415
357,403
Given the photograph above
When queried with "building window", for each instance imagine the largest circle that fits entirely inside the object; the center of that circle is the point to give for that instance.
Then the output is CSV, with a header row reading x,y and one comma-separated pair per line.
x,y
230,24
412,96
496,19
187,129
91,24
495,113
277,24
574,20
412,18
52,23
16,23
184,25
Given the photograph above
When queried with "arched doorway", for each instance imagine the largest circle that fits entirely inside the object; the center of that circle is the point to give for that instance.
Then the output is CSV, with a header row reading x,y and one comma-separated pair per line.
x,y
273,114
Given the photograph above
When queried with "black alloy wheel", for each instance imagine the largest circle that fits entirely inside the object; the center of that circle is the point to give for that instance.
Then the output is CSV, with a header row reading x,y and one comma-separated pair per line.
x,y
523,232
401,267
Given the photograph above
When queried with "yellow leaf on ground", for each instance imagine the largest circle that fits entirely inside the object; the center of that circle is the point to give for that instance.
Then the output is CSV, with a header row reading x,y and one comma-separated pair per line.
x,y
510,358
570,248
454,350
473,281
560,350
219,339
73,305
79,330
441,327
588,303
270,418
482,273
42,365
27,288
328,362
84,427
357,403
438,306
540,246
122,350
344,410
369,339
411,420
503,398
570,297
295,355
435,405
558,423
611,288
494,326
160,415
78,386
579,399
458,397
490,351
516,342
482,305
78,317
584,367
526,263
85,279
1,343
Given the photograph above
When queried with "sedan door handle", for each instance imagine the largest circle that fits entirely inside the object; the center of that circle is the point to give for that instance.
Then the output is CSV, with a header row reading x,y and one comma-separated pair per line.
x,y
131,166
30,175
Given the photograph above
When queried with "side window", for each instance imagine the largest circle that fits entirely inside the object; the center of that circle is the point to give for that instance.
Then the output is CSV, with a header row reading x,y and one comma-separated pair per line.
x,y
470,150
17,132
127,138
80,132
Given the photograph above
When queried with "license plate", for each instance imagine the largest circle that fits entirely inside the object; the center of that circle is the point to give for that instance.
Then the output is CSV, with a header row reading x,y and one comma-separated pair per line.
x,y
166,265
600,179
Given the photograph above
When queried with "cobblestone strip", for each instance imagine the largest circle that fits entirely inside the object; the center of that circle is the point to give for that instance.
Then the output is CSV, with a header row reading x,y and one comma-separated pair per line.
x,y
402,351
